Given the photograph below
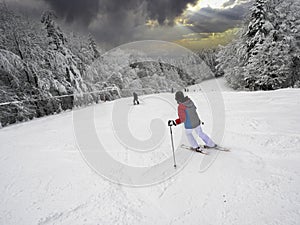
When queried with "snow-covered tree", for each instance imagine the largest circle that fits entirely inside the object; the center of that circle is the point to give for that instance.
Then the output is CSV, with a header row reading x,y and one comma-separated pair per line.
x,y
266,54
36,70
57,37
259,26
209,56
269,68
93,47
18,34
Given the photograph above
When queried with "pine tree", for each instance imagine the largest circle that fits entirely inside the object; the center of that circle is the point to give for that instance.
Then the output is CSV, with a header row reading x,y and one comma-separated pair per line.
x,y
93,47
54,32
256,29
288,24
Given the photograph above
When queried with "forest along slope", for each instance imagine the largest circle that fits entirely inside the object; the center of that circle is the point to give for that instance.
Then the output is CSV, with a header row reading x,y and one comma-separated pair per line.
x,y
45,180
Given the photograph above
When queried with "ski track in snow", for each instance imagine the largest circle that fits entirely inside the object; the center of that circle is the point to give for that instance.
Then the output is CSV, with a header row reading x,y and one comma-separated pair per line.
x,y
44,179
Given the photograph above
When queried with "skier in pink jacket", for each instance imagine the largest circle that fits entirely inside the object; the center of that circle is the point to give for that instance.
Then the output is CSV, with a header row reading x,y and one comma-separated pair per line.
x,y
188,115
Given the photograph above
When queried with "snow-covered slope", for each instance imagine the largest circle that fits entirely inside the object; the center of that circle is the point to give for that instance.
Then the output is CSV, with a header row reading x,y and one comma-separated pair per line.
x,y
214,84
45,180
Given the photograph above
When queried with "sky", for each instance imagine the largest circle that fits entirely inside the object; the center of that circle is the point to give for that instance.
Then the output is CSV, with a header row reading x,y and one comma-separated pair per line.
x,y
191,23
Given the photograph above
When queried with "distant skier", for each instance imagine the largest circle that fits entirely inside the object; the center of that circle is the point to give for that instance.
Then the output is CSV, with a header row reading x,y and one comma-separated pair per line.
x,y
188,115
135,99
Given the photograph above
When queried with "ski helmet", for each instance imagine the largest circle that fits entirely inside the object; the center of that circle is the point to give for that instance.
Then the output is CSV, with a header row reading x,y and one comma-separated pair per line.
x,y
179,97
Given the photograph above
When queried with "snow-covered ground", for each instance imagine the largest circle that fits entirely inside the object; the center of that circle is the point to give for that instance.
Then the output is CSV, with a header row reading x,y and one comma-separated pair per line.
x,y
45,180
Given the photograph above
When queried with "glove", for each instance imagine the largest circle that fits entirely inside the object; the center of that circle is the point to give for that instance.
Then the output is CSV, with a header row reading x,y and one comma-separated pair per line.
x,y
171,123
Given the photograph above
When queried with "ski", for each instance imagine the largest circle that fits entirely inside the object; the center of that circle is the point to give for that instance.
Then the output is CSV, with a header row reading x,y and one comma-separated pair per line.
x,y
190,148
219,148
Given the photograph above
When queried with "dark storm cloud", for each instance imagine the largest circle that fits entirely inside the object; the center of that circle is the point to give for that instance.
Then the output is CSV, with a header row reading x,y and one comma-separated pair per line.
x,y
118,26
120,21
167,9
218,20
86,10
80,10
116,21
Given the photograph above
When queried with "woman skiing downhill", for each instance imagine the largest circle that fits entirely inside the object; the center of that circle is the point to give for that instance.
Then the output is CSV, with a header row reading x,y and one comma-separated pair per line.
x,y
188,115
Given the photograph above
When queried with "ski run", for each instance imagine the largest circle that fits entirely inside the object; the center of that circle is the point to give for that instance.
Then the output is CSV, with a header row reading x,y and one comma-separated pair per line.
x,y
44,179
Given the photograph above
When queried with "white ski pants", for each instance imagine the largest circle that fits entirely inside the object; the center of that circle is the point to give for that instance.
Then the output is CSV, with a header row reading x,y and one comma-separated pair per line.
x,y
201,134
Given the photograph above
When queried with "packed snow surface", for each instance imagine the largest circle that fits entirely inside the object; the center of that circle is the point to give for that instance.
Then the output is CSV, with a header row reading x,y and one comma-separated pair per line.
x,y
44,178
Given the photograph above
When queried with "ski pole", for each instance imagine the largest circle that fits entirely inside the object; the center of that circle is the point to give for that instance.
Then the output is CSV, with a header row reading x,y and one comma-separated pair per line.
x,y
172,146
